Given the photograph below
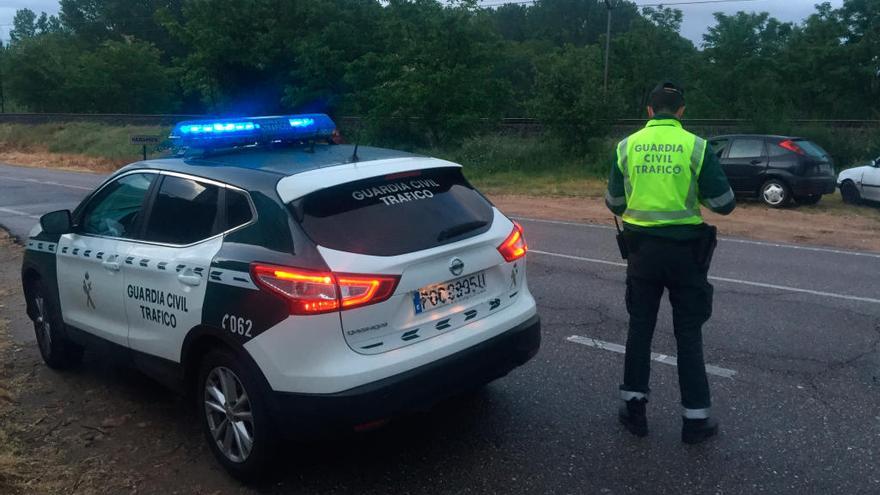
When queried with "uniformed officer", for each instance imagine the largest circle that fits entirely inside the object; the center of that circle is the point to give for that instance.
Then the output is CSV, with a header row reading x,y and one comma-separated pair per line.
x,y
660,176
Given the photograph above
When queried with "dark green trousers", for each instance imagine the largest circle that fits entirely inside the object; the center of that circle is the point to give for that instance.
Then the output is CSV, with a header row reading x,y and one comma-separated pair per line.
x,y
656,264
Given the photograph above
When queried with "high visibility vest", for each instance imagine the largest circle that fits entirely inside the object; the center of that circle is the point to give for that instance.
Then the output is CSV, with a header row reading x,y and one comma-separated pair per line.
x,y
661,165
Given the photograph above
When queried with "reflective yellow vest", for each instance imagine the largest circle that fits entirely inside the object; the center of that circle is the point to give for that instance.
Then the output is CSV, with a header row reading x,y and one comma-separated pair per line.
x,y
661,165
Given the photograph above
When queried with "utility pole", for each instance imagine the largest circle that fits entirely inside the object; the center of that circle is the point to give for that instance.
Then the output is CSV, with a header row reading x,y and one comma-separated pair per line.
x,y
607,43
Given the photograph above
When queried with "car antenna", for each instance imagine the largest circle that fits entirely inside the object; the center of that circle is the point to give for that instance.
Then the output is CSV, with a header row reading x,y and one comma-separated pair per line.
x,y
354,155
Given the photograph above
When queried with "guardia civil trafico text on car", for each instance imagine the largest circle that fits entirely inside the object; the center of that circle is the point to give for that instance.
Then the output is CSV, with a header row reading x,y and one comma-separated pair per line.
x,y
288,284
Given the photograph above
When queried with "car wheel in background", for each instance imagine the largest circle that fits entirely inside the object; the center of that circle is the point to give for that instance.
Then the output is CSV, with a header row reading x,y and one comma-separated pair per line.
x,y
850,193
808,200
234,416
58,352
775,193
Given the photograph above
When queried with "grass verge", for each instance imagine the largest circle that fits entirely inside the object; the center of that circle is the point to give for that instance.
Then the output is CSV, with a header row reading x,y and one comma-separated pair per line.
x,y
73,145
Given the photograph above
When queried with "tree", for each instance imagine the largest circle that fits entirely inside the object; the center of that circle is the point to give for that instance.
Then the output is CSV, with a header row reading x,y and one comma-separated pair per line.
x,y
24,25
569,98
55,73
42,66
744,48
433,74
123,76
651,50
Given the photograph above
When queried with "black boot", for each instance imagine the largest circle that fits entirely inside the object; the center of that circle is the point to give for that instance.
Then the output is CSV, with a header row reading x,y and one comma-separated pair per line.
x,y
698,430
633,417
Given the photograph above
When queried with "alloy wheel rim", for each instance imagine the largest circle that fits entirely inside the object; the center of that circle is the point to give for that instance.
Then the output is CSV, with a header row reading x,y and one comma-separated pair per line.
x,y
229,414
44,328
774,194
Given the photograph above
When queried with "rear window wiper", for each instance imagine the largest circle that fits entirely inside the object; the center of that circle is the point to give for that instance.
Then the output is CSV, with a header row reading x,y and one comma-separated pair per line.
x,y
461,229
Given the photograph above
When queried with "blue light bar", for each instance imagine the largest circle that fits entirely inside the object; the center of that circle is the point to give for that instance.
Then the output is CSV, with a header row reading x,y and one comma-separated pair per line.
x,y
217,133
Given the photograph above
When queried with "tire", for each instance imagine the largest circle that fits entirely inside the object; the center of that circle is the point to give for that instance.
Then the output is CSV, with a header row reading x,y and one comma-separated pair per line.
x,y
220,371
775,193
57,351
850,193
808,200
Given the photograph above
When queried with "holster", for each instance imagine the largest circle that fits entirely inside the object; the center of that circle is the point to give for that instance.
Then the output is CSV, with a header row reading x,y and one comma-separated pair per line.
x,y
621,244
704,247
626,241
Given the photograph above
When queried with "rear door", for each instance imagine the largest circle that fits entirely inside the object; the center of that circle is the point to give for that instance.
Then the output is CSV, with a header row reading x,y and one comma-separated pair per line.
x,y
435,232
745,163
817,161
167,270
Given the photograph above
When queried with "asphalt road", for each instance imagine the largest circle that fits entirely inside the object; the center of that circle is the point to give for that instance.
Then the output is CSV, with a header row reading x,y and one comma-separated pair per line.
x,y
793,341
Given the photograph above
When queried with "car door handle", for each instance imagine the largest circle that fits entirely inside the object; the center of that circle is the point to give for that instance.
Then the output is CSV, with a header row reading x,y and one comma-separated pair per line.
x,y
188,277
757,162
111,263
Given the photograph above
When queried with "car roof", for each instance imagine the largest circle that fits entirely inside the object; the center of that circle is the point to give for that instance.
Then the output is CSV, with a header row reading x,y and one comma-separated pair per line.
x,y
263,167
762,136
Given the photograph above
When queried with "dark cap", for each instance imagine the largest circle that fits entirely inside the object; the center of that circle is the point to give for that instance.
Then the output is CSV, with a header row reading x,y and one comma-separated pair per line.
x,y
667,96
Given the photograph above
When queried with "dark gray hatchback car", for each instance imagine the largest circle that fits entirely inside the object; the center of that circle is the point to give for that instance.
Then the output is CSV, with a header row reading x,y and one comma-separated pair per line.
x,y
775,169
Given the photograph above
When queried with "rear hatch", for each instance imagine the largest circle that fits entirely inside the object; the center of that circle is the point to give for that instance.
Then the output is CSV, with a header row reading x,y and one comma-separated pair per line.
x,y
817,161
431,229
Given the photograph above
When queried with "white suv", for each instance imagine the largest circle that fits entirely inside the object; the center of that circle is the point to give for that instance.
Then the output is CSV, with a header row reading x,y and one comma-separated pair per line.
x,y
288,283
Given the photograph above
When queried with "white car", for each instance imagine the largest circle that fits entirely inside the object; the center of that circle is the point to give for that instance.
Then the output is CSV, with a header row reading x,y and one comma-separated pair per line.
x,y
860,183
287,283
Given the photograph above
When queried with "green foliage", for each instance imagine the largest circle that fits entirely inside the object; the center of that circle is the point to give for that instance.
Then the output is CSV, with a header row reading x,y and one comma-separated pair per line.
x,y
430,73
54,73
570,97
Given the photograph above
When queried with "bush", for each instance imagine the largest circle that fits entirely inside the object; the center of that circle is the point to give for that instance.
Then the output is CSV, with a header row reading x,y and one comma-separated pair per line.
x,y
493,154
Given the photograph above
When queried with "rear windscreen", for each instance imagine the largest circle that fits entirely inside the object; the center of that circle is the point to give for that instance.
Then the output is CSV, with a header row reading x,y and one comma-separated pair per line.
x,y
395,214
812,149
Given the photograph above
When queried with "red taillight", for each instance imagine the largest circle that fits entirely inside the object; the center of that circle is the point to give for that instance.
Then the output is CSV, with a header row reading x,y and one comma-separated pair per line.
x,y
514,247
360,290
311,292
791,146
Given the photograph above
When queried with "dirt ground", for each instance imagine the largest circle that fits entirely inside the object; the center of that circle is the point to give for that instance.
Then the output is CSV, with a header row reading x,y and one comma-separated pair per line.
x,y
101,428
62,161
830,224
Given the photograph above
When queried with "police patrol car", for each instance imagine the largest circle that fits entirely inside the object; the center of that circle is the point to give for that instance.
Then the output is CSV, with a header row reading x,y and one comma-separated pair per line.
x,y
289,283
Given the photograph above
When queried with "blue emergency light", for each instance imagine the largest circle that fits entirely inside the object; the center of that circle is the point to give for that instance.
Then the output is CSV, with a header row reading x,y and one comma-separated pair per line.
x,y
216,133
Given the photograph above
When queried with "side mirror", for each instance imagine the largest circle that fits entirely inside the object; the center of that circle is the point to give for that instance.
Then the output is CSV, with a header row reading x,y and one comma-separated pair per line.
x,y
57,222
875,162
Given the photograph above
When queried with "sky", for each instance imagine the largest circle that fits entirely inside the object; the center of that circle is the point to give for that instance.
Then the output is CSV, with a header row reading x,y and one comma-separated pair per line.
x,y
696,17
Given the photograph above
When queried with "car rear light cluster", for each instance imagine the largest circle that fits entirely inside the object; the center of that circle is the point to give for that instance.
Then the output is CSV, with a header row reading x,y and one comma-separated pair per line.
x,y
514,247
313,292
791,146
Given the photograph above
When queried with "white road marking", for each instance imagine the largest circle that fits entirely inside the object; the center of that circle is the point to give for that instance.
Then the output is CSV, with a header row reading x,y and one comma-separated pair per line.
x,y
17,212
660,358
727,280
578,258
725,239
51,183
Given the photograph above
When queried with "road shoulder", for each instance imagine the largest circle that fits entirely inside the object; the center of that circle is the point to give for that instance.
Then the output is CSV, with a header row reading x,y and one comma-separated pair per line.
x,y
830,226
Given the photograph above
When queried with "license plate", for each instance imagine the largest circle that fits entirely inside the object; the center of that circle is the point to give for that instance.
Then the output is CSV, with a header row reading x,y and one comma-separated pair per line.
x,y
440,295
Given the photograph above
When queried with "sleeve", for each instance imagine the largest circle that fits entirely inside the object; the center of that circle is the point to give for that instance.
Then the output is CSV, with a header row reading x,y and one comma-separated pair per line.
x,y
615,196
715,191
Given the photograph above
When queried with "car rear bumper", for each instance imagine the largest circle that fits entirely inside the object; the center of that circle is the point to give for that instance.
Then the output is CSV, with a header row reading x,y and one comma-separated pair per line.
x,y
812,186
414,390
